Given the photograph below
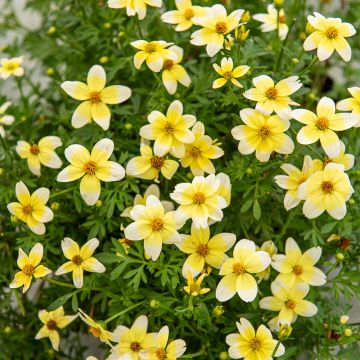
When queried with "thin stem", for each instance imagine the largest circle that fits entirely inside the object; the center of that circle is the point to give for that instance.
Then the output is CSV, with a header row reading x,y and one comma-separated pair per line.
x,y
314,60
191,304
57,282
61,192
233,94
190,356
276,348
123,312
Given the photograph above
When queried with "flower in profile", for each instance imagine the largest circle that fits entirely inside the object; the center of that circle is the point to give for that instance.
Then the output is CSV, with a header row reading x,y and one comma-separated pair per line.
x,y
199,152
216,24
149,166
323,126
289,301
153,225
272,20
294,178
4,118
92,168
238,270
204,251
153,52
199,200
182,17
80,260
173,72
326,190
193,287
329,34
10,67
95,328
296,267
351,104
41,153
171,131
271,97
228,73
262,134
31,209
134,7
250,344
95,98
53,322
269,247
30,268
224,189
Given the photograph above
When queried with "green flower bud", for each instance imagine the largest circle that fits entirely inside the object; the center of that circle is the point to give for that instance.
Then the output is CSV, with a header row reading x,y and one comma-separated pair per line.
x,y
154,303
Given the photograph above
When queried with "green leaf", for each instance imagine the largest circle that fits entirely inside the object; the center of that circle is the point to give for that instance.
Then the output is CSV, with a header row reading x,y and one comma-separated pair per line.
x,y
328,227
246,206
60,301
256,210
74,303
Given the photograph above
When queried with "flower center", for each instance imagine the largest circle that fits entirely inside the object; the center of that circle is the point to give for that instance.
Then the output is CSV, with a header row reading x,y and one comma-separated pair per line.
x,y
34,149
203,249
27,209
195,152
227,75
301,180
90,167
157,162
157,224
169,128
199,198
10,66
94,331
297,270
238,269
327,187
290,304
281,18
271,93
168,64
51,325
150,48
194,288
77,260
322,123
161,354
135,346
95,97
28,270
220,27
264,131
188,14
332,32
255,344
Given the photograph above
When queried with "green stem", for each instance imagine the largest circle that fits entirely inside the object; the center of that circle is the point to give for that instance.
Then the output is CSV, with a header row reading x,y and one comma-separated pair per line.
x,y
61,192
191,304
57,282
190,356
276,348
233,94
21,91
313,61
123,311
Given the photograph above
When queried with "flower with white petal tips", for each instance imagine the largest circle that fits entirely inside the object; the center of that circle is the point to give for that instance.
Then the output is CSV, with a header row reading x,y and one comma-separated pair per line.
x,y
80,260
95,98
92,168
10,67
31,209
238,270
5,119
134,7
351,104
228,73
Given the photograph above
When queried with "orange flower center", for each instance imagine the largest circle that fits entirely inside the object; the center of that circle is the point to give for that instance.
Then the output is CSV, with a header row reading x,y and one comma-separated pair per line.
x,y
298,270
34,149
327,187
168,64
169,128
94,331
203,249
281,18
188,14
332,32
264,131
157,224
322,123
27,209
161,354
28,270
150,48
199,198
227,75
77,260
220,27
157,162
95,97
238,269
255,344
51,325
271,93
135,346
195,152
290,304
126,241
90,167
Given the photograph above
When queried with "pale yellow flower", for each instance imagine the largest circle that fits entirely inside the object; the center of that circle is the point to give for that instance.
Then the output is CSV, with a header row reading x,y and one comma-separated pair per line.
x,y
228,73
10,67
193,287
351,104
134,7
4,118
269,247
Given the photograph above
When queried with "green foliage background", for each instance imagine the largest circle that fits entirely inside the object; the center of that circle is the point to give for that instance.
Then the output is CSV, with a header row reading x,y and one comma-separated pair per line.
x,y
82,36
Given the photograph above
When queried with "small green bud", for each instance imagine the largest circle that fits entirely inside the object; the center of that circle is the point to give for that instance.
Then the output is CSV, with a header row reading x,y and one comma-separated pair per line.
x,y
249,171
224,355
347,332
50,71
98,203
23,118
154,303
128,126
55,206
285,331
295,60
14,219
107,25
218,310
8,330
1,171
352,202
52,30
340,256
104,60
121,34
278,2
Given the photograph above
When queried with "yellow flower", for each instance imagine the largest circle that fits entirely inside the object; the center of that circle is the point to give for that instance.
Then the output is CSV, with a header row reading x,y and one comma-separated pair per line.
x,y
199,152
294,178
193,288
11,67
329,34
153,52
170,132
141,200
134,341
296,267
183,16
289,301
262,134
41,153
241,33
322,126
95,97
53,321
326,190
29,266
269,247
215,25
199,200
31,209
148,166
227,72
252,345
238,269
134,7
225,187
173,72
164,350
153,225
203,250
95,328
351,104
271,97
91,168
5,119
81,260
274,19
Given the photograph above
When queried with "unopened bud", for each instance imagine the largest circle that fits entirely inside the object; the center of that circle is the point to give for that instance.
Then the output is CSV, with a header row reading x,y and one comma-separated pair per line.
x,y
121,34
285,331
340,256
128,126
52,30
14,219
347,332
55,206
107,25
245,17
295,60
269,247
50,71
249,171
278,2
8,330
218,310
352,202
1,171
344,319
154,304
98,203
104,60
224,355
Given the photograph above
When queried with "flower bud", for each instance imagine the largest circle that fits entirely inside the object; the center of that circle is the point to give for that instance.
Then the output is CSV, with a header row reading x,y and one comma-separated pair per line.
x,y
249,171
295,61
285,331
50,71
128,126
1,171
347,332
107,25
218,310
245,17
278,2
52,30
340,256
104,60
8,330
154,303
309,28
14,219
344,319
352,202
269,247
223,355
121,34
241,33
55,206
98,203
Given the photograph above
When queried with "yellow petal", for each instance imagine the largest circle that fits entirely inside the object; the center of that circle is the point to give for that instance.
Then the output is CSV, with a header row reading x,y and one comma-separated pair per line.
x,y
76,89
115,94
90,189
96,78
